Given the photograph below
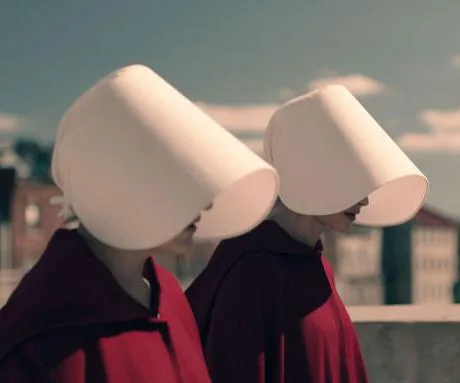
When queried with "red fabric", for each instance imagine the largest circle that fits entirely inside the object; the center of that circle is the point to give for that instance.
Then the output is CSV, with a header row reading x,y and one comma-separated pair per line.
x,y
70,322
268,311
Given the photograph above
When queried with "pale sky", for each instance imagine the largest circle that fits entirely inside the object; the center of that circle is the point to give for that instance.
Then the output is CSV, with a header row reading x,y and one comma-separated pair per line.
x,y
241,58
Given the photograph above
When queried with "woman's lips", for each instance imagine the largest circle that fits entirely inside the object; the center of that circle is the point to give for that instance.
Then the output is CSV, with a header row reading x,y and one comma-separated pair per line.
x,y
192,227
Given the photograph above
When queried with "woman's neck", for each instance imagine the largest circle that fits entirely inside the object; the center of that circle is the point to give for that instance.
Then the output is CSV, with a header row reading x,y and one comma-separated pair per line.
x,y
303,228
126,267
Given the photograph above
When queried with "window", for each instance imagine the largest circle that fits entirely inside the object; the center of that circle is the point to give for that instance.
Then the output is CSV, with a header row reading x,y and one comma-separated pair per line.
x,y
32,216
432,292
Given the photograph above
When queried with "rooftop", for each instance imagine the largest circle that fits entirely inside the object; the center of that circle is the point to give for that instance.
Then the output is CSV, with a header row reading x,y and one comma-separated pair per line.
x,y
428,216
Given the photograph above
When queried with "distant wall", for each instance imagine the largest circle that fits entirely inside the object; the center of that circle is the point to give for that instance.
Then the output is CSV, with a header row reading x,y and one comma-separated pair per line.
x,y
410,344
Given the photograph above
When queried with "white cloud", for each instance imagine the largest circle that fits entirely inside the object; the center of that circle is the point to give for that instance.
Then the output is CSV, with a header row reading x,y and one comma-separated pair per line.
x,y
426,142
443,136
10,123
456,61
357,84
240,119
442,121
255,117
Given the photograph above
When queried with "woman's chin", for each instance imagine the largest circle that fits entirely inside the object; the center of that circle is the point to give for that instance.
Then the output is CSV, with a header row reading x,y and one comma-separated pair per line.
x,y
342,227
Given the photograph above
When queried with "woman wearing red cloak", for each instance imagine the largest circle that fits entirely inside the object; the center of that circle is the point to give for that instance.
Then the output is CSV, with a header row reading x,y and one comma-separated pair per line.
x,y
137,163
266,304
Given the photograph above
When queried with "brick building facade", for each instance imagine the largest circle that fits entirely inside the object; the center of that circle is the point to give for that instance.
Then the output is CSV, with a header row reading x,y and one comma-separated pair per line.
x,y
33,221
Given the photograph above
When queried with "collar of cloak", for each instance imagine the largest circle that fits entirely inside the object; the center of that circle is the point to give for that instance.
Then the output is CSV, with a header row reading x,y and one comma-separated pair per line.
x,y
69,287
268,237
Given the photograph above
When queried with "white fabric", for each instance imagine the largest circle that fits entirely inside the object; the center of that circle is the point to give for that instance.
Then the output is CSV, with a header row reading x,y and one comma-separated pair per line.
x,y
138,162
330,154
66,211
69,219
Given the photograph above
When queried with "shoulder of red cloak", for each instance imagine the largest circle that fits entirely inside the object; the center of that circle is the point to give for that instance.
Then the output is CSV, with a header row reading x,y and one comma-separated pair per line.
x,y
19,316
40,301
236,321
203,291
47,297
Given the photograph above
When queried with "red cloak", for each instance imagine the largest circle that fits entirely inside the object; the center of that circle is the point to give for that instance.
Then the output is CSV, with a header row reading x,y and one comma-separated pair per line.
x,y
69,321
268,311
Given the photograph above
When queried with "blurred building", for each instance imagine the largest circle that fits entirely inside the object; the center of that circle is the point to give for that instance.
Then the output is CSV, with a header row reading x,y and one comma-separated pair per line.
x,y
8,179
357,265
357,260
186,266
33,222
9,158
28,226
434,258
